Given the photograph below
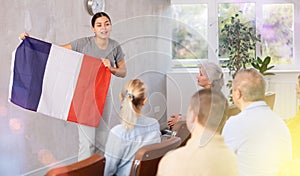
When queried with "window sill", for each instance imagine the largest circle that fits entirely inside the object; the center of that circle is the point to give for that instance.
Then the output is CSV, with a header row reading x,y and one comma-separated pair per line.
x,y
225,70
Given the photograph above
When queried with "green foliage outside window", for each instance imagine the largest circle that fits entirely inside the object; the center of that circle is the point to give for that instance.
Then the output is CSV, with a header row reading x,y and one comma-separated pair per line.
x,y
185,45
190,32
277,32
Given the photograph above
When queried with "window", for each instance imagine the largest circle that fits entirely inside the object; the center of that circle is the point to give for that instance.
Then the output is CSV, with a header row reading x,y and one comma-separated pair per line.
x,y
189,34
246,12
277,33
196,32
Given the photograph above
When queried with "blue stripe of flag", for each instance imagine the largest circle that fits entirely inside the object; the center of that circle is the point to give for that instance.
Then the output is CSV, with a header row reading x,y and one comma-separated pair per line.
x,y
29,68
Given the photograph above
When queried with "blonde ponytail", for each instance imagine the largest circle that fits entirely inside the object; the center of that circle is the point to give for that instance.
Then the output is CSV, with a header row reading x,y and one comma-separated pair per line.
x,y
132,99
128,115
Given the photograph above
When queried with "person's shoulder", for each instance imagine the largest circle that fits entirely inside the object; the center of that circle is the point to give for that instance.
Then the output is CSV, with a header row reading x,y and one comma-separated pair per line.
x,y
147,123
233,124
174,155
118,129
87,39
176,160
234,119
167,163
169,156
83,39
113,42
150,120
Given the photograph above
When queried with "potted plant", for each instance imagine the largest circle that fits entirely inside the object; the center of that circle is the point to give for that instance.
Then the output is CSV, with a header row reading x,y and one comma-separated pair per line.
x,y
263,65
238,42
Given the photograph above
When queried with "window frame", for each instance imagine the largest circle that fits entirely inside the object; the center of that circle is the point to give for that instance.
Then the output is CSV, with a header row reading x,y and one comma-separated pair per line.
x,y
213,27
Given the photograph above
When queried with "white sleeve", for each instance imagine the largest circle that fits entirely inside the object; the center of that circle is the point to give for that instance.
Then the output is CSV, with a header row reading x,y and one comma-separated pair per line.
x,y
231,135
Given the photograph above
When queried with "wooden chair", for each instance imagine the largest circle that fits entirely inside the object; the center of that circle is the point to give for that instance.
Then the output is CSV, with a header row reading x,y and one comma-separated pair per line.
x,y
92,166
270,99
180,130
232,110
147,158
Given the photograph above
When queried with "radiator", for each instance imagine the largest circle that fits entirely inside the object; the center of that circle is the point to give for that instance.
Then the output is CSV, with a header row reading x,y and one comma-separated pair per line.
x,y
284,85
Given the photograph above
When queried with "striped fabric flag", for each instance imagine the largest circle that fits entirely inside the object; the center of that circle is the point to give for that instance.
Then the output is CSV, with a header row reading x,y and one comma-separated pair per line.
x,y
58,82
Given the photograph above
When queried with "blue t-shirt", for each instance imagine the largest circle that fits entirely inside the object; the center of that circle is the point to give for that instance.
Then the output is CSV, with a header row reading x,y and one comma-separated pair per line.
x,y
122,145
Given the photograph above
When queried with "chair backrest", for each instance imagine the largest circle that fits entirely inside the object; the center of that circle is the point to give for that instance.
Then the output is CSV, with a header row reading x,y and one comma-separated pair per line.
x,y
92,166
270,99
233,110
180,130
147,157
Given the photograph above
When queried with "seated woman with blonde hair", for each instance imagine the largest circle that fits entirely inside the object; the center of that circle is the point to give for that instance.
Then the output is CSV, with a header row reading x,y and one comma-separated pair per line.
x,y
135,130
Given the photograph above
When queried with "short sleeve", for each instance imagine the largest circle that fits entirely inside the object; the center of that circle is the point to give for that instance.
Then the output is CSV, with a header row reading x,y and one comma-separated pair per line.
x,y
118,52
77,44
120,55
230,135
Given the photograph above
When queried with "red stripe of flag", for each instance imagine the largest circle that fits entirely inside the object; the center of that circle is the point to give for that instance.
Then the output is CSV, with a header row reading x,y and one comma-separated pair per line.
x,y
90,93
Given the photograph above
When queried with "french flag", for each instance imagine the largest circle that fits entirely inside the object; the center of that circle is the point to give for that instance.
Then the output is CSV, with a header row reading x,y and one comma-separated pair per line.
x,y
58,82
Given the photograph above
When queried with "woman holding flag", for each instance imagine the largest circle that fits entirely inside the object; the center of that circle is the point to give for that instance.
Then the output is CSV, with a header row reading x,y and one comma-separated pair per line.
x,y
101,46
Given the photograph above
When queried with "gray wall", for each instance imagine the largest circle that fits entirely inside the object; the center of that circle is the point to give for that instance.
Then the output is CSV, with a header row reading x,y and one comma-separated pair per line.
x,y
30,143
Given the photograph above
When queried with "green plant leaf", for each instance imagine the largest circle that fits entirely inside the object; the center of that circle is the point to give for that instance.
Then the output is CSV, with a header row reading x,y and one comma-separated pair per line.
x,y
269,68
254,65
238,41
259,60
267,60
265,74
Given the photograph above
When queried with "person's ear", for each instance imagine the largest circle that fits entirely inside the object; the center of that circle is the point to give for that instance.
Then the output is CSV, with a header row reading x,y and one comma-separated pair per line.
x,y
238,94
121,97
93,29
191,117
190,120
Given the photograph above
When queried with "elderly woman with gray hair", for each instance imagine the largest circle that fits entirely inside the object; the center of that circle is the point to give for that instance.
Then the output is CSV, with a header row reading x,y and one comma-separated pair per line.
x,y
210,77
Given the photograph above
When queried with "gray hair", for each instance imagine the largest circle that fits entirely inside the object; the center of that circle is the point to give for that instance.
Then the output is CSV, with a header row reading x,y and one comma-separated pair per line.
x,y
214,74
